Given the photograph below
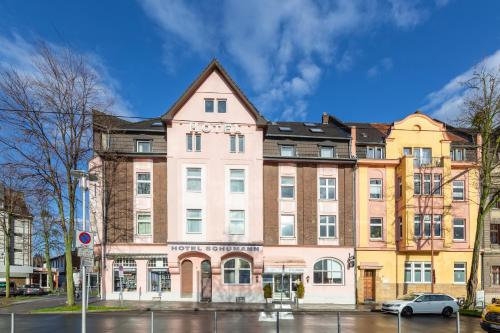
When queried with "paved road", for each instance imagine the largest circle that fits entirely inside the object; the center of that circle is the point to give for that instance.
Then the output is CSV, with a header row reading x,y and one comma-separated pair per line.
x,y
202,322
30,304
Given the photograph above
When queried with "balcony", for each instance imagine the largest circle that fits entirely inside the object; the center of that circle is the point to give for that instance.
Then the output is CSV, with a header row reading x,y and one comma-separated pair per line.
x,y
427,162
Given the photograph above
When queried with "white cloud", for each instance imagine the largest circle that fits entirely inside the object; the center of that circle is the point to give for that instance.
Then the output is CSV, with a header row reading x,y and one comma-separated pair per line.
x,y
282,46
446,103
19,54
384,65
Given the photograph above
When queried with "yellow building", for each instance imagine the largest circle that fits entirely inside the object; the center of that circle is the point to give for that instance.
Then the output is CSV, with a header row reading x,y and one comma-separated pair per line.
x,y
416,207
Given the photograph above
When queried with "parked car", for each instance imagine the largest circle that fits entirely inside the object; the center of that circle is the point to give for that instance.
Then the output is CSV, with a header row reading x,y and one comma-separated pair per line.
x,y
30,289
490,318
13,289
417,303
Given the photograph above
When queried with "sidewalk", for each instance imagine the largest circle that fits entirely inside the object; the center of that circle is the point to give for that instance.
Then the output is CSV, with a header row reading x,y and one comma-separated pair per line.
x,y
194,306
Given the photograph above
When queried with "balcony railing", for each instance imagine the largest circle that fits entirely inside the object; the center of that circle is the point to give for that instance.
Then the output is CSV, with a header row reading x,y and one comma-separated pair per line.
x,y
427,162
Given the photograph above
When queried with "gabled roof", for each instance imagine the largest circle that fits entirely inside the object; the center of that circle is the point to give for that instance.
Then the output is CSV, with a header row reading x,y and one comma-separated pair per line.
x,y
214,65
107,121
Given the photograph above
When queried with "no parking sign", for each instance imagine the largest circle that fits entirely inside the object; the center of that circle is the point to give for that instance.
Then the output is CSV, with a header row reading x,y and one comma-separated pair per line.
x,y
84,239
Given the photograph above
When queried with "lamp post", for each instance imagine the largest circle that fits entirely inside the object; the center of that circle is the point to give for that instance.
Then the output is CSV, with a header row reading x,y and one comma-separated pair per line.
x,y
82,182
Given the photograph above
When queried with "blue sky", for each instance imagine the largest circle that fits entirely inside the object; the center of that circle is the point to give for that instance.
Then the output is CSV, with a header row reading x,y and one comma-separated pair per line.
x,y
372,60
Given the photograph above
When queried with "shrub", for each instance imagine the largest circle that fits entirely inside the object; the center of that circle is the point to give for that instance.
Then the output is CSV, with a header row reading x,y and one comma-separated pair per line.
x,y
300,290
268,291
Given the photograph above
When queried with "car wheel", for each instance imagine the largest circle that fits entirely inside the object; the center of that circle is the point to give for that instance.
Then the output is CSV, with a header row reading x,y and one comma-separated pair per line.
x,y
447,312
407,311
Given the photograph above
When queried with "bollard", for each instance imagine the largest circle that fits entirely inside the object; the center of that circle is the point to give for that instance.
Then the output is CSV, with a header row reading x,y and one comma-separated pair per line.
x,y
399,321
215,322
338,322
152,322
458,322
277,322
12,322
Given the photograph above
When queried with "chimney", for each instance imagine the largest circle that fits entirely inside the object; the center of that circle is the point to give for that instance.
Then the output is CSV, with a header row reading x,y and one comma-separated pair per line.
x,y
324,118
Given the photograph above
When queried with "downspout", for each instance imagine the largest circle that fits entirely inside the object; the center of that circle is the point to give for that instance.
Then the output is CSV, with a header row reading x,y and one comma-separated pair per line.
x,y
104,232
354,194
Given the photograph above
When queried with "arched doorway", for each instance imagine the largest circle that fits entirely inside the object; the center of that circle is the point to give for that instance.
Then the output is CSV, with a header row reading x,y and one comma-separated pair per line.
x,y
206,281
187,278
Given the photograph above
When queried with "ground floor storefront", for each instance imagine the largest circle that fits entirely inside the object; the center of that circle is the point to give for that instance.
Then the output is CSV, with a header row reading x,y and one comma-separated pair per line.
x,y
228,273
386,275
491,275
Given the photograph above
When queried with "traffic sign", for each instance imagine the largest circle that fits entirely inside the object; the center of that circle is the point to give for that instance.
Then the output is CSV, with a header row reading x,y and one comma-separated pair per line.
x,y
85,252
84,239
87,261
120,271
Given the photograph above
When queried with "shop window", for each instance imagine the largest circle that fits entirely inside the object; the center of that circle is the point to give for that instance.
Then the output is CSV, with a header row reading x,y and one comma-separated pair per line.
x,y
459,272
129,280
158,275
237,271
328,271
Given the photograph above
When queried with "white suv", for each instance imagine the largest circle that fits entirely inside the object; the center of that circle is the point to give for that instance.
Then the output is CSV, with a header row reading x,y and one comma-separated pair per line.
x,y
422,303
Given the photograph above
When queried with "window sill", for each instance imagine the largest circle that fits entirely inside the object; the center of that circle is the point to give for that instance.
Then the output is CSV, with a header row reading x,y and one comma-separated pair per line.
x,y
143,235
459,283
288,237
378,240
328,238
328,284
459,241
143,195
327,200
458,200
287,199
377,200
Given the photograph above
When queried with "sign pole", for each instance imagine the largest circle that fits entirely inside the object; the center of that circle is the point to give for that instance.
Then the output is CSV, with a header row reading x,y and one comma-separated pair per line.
x,y
84,275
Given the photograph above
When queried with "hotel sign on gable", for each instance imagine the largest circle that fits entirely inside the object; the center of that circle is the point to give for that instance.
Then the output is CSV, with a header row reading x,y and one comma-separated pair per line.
x,y
215,248
226,128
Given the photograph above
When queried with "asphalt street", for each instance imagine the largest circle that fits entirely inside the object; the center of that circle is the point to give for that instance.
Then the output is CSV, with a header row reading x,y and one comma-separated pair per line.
x,y
203,321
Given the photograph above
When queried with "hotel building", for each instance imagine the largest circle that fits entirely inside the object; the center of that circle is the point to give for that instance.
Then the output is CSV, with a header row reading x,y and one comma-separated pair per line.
x,y
416,199
210,202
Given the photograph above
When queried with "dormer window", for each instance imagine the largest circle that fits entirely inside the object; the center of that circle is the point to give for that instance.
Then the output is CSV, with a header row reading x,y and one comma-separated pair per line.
x,y
458,154
376,153
209,105
143,146
287,150
285,129
326,152
316,130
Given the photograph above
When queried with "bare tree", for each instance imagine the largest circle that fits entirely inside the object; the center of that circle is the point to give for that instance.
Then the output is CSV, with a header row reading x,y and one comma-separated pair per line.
x,y
48,129
482,113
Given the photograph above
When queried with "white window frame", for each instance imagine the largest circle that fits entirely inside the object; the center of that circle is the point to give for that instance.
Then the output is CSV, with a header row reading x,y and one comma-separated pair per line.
x,y
282,185
414,266
462,187
193,142
376,186
420,159
376,222
454,154
460,226
237,220
213,105
330,183
237,268
219,100
437,181
460,269
326,271
142,181
328,221
236,143
417,220
199,178
138,144
138,222
330,152
237,178
292,217
194,219
438,220
292,150
419,187
427,180
375,152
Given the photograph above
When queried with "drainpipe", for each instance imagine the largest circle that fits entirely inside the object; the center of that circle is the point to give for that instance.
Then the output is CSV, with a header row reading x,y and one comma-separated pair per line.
x,y
354,193
104,232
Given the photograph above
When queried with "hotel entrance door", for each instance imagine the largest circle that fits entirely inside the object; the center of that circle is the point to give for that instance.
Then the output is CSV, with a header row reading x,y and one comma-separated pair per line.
x,y
282,286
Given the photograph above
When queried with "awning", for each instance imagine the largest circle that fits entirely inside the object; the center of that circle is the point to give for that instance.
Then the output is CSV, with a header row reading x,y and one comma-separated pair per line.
x,y
370,265
284,264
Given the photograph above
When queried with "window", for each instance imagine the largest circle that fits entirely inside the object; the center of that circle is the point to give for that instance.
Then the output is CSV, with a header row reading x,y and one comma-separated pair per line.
x,y
436,186
316,130
190,141
143,146
193,179
375,152
193,219
427,184
237,271
375,188
495,275
144,223
457,154
326,152
327,226
143,183
417,226
423,156
287,187
285,129
328,271
327,188
458,229
287,226
237,222
376,228
129,280
158,275
427,225
237,143
495,233
417,184
400,227
209,105
221,105
287,151
237,180
437,225
417,272
400,187
458,190
406,151
459,270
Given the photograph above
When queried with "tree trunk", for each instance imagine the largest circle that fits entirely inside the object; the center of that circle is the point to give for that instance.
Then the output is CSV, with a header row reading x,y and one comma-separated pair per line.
x,y
50,278
70,288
